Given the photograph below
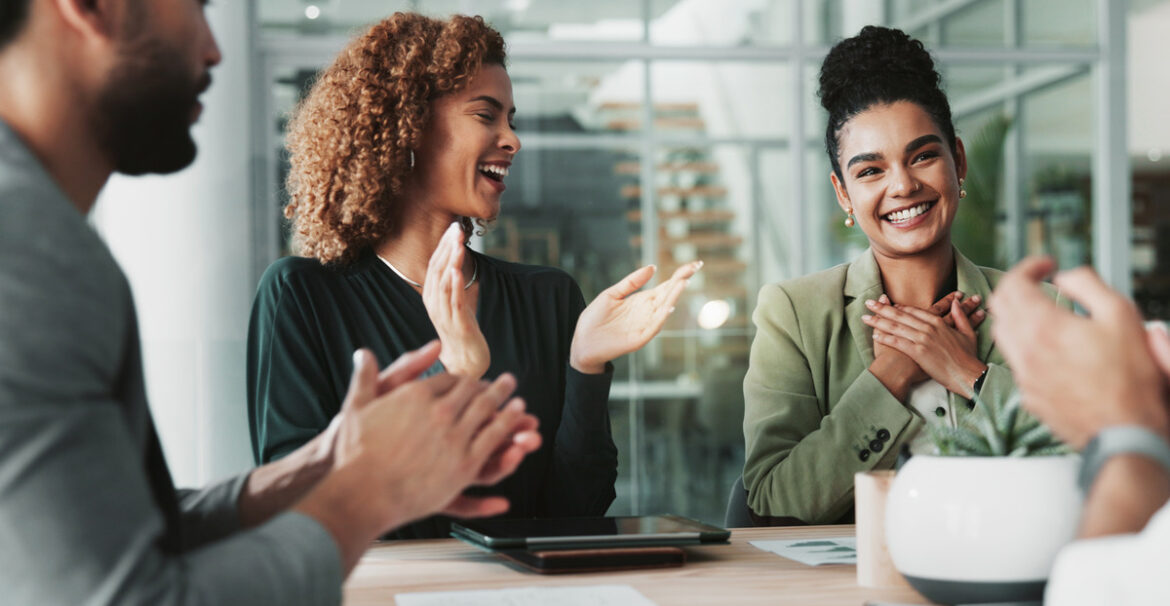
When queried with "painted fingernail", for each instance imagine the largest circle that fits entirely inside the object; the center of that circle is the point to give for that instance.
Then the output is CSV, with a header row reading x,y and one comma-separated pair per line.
x,y
866,318
671,310
870,303
699,265
976,298
884,299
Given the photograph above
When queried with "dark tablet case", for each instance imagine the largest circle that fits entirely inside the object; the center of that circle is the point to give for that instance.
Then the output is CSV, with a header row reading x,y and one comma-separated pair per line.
x,y
596,560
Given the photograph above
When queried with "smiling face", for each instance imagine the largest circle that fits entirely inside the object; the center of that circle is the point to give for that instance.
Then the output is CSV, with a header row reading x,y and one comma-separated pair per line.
x,y
467,148
900,178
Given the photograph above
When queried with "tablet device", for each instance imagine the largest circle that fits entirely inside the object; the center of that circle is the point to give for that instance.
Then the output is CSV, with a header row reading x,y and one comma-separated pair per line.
x,y
583,533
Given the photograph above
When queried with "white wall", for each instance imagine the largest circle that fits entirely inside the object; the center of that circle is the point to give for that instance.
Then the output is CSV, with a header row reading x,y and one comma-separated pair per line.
x,y
185,243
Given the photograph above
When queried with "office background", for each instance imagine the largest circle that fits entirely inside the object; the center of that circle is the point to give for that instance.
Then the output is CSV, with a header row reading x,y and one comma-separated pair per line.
x,y
659,131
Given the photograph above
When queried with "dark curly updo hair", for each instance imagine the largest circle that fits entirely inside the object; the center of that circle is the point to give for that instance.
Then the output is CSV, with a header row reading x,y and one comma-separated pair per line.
x,y
876,67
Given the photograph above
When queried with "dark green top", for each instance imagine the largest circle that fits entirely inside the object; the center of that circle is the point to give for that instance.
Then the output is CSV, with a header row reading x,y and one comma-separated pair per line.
x,y
308,319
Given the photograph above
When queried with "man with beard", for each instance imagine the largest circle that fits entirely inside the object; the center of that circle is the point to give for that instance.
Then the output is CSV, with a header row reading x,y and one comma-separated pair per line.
x,y
88,511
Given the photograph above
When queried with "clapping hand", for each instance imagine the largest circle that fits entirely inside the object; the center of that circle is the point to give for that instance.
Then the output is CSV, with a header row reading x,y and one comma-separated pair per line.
x,y
621,319
451,308
1079,375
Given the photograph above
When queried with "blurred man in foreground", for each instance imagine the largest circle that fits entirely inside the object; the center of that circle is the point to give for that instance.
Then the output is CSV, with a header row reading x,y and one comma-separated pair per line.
x,y
88,511
1100,384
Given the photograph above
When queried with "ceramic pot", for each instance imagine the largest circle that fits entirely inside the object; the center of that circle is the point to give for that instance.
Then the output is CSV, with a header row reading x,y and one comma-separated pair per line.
x,y
981,529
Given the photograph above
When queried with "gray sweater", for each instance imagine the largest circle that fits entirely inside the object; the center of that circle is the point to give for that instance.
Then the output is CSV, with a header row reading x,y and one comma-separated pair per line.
x,y
88,510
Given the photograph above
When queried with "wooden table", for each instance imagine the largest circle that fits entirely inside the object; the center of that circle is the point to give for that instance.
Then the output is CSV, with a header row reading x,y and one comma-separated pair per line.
x,y
735,573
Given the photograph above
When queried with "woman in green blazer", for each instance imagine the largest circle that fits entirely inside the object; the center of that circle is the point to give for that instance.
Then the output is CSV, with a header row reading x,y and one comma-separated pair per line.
x,y
848,362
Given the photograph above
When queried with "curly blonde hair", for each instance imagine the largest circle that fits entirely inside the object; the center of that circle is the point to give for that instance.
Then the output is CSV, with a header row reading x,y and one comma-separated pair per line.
x,y
350,140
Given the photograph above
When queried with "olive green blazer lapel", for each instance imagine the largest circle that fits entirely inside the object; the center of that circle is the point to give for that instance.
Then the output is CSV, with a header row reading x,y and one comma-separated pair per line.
x,y
863,280
972,281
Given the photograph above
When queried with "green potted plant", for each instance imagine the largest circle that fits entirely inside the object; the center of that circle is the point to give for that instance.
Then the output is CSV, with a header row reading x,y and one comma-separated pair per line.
x,y
982,519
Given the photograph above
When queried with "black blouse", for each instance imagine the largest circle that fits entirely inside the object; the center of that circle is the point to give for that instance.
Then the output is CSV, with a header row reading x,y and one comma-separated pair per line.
x,y
308,319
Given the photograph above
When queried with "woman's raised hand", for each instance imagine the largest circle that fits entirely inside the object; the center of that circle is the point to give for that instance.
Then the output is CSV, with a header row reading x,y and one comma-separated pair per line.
x,y
942,346
452,309
621,319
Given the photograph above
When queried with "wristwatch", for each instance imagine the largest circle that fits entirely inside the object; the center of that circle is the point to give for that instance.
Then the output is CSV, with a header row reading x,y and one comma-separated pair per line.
x,y
1121,439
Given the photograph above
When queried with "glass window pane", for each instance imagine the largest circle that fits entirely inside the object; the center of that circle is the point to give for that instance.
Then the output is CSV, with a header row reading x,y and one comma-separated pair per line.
x,y
980,24
1058,138
722,23
578,96
723,98
1055,23
517,20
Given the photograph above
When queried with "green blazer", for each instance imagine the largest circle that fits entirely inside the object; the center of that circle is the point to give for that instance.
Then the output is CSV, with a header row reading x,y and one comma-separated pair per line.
x,y
814,415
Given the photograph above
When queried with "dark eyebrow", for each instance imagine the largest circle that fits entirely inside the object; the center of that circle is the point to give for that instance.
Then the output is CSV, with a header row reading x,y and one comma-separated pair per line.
x,y
923,140
868,157
494,102
911,146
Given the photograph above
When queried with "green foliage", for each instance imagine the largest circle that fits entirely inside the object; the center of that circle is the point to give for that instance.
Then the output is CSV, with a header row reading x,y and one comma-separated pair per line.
x,y
974,231
996,431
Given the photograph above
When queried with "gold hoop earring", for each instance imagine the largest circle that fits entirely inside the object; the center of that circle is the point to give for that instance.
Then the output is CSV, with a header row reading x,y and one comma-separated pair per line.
x,y
962,192
849,222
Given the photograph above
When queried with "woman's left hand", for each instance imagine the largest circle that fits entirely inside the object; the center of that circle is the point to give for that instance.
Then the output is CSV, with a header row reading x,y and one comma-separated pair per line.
x,y
621,320
946,354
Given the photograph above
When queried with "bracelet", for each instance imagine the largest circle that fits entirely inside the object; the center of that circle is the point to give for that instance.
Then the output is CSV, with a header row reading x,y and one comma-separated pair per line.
x,y
1121,439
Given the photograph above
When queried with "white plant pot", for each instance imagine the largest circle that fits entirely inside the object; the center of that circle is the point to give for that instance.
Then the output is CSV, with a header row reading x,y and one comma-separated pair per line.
x,y
981,529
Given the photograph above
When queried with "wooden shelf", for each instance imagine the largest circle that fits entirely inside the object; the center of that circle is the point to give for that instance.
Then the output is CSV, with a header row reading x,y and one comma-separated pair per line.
x,y
658,107
630,124
693,216
635,168
706,191
700,240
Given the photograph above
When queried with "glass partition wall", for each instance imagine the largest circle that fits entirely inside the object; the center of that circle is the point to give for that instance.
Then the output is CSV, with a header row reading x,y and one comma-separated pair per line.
x,y
663,131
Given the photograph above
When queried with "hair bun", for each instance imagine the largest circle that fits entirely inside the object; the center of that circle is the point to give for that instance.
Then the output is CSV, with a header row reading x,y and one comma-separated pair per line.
x,y
877,57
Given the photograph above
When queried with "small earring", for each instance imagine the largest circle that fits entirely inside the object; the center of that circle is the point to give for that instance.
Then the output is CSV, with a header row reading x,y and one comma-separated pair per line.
x,y
849,222
962,192
412,158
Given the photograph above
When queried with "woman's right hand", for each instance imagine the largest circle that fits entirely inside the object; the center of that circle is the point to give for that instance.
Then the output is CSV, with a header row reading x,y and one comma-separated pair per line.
x,y
451,309
898,371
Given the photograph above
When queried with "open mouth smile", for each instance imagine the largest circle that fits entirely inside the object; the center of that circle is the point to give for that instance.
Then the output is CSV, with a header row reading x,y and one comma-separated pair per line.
x,y
906,216
495,172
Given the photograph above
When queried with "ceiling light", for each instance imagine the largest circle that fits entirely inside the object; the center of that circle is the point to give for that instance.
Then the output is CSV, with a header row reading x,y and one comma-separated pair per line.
x,y
714,314
1154,154
312,11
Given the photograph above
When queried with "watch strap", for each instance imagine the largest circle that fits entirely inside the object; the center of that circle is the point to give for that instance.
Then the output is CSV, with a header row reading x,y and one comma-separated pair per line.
x,y
1121,439
978,385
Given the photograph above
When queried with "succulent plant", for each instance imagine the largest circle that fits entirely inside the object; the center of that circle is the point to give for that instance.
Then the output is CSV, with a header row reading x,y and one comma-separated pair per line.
x,y
996,431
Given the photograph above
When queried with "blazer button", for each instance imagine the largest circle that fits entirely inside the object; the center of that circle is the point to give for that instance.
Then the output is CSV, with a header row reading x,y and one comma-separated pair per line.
x,y
876,445
883,435
863,455
940,412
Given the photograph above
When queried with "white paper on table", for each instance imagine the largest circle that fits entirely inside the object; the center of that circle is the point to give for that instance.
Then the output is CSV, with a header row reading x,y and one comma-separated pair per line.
x,y
578,595
814,552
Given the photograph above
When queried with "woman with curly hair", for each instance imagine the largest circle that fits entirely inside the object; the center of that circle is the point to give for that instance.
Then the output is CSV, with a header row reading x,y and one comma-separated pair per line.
x,y
848,363
400,145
